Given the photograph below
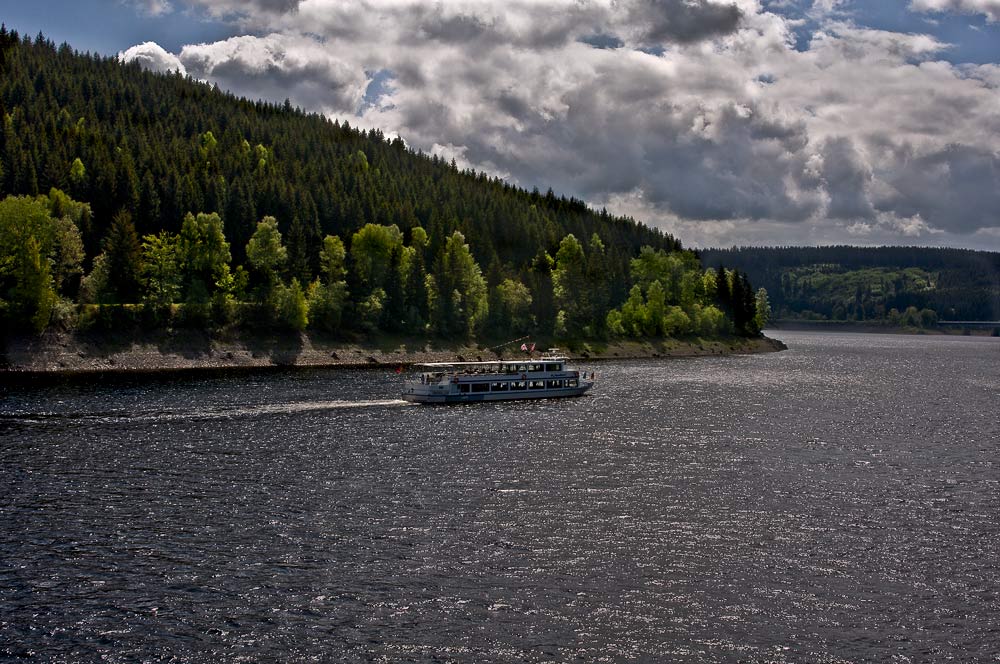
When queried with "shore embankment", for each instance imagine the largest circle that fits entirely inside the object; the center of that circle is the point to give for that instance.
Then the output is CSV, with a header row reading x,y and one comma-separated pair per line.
x,y
188,350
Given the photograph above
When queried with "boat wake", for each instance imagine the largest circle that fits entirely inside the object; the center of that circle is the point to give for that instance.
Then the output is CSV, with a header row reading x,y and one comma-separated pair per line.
x,y
220,413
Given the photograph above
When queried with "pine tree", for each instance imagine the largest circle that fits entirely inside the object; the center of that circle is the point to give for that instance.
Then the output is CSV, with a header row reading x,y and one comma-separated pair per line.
x,y
394,309
124,255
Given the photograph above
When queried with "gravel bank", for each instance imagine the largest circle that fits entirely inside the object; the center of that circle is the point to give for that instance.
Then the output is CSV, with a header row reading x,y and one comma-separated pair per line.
x,y
187,350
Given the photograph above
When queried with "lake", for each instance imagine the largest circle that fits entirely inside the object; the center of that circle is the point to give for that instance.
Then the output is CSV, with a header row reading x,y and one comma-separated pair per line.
x,y
837,502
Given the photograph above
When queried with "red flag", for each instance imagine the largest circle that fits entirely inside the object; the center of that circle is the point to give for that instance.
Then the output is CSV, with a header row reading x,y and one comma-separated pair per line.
x,y
532,348
524,347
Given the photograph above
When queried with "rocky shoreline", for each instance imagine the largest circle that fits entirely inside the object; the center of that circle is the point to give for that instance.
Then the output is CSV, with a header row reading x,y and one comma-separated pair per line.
x,y
72,355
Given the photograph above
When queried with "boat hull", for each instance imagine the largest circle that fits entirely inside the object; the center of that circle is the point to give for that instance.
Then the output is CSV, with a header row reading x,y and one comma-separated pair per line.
x,y
464,397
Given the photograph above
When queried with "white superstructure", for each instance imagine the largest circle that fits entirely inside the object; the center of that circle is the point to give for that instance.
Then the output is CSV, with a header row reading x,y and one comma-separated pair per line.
x,y
500,380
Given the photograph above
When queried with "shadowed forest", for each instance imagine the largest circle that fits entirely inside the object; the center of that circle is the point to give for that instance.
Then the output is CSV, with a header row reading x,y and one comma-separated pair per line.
x,y
900,286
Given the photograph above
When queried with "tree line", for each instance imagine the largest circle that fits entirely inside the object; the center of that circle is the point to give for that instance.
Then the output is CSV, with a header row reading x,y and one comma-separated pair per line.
x,y
382,280
152,194
906,286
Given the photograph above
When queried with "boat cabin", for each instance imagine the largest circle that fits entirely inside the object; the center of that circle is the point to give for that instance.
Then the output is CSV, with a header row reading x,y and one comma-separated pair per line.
x,y
495,380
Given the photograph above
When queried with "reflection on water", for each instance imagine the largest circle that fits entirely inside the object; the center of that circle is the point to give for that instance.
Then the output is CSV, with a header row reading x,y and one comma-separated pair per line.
x,y
834,503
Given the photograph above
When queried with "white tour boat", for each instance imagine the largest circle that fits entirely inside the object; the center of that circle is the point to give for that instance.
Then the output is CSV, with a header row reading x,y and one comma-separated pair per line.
x,y
500,380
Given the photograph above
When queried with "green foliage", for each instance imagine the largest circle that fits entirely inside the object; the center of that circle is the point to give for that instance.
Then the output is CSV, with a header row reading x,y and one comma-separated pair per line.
x,y
77,172
370,310
514,304
94,286
418,238
633,314
676,323
569,287
674,297
460,303
34,285
710,321
331,260
161,273
326,305
371,251
916,318
291,306
762,307
204,255
266,254
67,254
39,253
328,295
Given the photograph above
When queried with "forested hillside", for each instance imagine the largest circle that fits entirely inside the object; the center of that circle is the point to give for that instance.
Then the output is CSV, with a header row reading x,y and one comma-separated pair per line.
x,y
872,283
164,199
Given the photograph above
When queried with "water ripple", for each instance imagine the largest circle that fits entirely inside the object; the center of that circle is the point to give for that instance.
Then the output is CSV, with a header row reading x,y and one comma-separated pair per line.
x,y
835,503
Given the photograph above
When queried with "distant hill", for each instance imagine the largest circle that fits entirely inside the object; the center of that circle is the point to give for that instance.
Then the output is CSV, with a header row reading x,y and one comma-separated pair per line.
x,y
868,283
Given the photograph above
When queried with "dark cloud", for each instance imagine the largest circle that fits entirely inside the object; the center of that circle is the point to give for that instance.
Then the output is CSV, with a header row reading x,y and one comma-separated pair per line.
x,y
458,28
245,7
659,21
955,189
847,179
738,167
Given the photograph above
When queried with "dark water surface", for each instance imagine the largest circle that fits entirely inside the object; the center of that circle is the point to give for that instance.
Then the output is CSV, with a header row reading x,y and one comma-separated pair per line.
x,y
839,502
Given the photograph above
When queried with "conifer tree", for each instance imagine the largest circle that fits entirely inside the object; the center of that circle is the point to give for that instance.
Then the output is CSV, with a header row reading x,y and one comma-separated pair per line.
x,y
394,308
570,287
124,256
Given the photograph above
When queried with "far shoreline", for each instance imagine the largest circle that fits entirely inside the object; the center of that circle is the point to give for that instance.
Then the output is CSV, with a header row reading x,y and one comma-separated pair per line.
x,y
977,329
189,352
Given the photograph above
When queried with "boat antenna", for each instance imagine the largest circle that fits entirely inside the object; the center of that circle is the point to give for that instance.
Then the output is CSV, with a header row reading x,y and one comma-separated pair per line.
x,y
496,348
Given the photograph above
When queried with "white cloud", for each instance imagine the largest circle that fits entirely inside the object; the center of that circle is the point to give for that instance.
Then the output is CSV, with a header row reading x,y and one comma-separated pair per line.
x,y
988,8
277,67
721,129
152,56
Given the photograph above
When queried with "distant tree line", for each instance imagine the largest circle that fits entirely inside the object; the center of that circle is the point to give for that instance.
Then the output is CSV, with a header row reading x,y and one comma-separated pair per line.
x,y
152,196
906,286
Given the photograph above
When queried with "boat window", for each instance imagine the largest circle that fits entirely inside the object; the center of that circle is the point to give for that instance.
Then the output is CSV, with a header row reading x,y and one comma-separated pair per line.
x,y
500,386
480,387
553,384
519,385
572,382
536,384
552,367
463,387
522,368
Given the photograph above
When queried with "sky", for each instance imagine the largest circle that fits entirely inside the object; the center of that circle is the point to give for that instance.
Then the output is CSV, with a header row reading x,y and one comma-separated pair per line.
x,y
724,122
